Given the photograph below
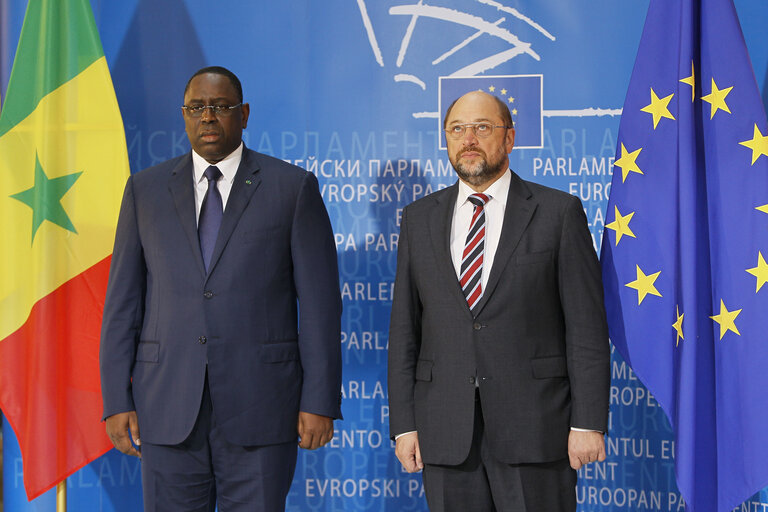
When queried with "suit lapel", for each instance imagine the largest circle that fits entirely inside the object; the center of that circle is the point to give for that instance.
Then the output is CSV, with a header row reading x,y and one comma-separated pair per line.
x,y
440,233
517,215
181,186
244,185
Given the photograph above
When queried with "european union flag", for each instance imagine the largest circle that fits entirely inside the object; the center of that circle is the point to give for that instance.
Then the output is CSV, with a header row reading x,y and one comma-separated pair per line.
x,y
685,246
521,93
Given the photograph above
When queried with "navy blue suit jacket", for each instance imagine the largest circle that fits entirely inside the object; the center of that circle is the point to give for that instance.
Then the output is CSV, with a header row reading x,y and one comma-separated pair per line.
x,y
166,320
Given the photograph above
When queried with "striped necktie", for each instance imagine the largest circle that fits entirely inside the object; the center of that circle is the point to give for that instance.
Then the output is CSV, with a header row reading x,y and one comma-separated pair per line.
x,y
471,274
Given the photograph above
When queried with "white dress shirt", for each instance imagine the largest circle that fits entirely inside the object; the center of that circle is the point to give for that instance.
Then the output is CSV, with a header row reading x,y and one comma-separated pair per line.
x,y
228,168
494,217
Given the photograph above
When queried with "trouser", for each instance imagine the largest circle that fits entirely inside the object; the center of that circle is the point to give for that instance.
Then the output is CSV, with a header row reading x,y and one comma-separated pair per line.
x,y
205,470
483,484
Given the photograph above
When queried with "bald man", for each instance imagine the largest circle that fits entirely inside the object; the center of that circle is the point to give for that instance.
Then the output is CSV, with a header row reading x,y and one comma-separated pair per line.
x,y
498,346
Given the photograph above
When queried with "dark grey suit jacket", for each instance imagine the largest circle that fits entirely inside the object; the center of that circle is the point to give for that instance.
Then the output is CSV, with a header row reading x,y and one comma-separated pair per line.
x,y
538,342
166,321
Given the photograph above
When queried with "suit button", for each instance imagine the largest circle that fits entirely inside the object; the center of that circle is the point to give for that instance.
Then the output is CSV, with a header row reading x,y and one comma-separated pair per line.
x,y
471,380
208,294
202,340
476,326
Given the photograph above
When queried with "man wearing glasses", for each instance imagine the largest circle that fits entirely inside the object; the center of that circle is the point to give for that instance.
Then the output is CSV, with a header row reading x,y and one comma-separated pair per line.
x,y
206,364
498,346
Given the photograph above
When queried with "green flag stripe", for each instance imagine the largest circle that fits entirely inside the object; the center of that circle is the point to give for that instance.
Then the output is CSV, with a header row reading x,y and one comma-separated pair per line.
x,y
58,40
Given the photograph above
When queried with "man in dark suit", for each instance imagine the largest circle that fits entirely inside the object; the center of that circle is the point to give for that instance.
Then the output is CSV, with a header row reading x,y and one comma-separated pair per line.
x,y
203,350
498,347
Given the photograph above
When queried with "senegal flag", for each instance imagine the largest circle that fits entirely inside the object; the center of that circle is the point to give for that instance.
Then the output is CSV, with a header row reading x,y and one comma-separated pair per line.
x,y
63,165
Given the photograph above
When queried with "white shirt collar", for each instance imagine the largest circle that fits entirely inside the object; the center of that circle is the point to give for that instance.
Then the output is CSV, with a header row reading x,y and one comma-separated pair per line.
x,y
228,166
498,190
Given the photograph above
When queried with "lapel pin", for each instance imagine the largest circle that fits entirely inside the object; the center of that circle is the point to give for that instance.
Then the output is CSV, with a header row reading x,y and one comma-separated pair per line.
x,y
247,182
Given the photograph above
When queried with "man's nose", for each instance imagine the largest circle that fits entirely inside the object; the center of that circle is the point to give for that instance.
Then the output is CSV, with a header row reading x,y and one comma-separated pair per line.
x,y
469,138
208,115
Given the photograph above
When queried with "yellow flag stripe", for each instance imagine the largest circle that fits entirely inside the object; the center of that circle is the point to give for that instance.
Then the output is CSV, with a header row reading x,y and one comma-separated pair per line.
x,y
75,128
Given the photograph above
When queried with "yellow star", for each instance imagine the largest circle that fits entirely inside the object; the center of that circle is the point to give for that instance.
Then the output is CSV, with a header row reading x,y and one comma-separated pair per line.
x,y
658,108
726,319
644,285
503,92
691,80
760,271
628,162
763,208
514,111
511,99
491,88
717,99
758,144
678,326
621,225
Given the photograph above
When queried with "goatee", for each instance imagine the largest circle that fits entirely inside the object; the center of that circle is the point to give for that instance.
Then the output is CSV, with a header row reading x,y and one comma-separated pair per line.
x,y
479,173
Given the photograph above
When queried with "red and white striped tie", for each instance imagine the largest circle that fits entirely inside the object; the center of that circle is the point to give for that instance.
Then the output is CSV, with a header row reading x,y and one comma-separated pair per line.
x,y
471,275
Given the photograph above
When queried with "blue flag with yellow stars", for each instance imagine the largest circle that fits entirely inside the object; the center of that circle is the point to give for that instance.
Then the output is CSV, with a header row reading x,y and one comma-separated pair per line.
x,y
685,246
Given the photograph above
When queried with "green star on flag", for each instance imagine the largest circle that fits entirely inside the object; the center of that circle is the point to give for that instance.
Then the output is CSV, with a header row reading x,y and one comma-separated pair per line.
x,y
45,199
63,155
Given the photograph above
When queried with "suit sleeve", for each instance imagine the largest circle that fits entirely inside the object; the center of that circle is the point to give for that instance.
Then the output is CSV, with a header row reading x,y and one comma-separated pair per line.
x,y
404,341
586,331
316,278
123,310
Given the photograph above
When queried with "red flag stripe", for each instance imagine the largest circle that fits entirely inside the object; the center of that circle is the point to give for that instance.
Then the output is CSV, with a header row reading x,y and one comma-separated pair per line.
x,y
54,391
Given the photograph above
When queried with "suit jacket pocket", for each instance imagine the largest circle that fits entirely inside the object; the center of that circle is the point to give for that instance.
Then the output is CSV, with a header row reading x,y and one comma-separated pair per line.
x,y
548,367
533,257
424,370
148,352
279,352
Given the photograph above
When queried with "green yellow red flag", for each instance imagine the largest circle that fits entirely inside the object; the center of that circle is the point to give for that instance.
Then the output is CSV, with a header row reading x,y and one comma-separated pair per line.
x,y
63,165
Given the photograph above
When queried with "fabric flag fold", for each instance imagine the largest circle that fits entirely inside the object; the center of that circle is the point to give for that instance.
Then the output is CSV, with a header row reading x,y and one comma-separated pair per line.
x,y
63,166
684,247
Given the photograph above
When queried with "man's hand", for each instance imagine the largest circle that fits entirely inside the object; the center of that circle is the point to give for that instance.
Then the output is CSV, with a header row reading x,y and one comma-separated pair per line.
x,y
123,427
314,430
584,447
408,452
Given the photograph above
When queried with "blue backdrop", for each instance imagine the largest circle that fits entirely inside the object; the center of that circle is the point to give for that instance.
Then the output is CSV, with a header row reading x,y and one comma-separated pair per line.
x,y
352,91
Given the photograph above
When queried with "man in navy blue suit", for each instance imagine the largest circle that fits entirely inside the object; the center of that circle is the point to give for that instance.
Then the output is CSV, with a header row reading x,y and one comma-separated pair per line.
x,y
206,363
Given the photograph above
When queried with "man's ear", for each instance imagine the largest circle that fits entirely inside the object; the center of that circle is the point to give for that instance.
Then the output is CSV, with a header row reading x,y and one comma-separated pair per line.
x,y
509,141
246,109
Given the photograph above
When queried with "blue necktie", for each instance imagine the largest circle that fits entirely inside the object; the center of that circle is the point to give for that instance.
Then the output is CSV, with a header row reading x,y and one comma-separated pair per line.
x,y
211,213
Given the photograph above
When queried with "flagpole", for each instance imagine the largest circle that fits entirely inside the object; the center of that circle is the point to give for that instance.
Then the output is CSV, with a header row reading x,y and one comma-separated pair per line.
x,y
61,496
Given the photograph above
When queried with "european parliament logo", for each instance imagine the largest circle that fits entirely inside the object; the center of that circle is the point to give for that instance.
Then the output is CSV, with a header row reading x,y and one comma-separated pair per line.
x,y
521,93
459,46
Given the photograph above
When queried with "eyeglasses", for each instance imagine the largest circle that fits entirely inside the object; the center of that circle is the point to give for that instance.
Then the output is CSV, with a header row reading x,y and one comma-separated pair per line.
x,y
481,130
217,110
